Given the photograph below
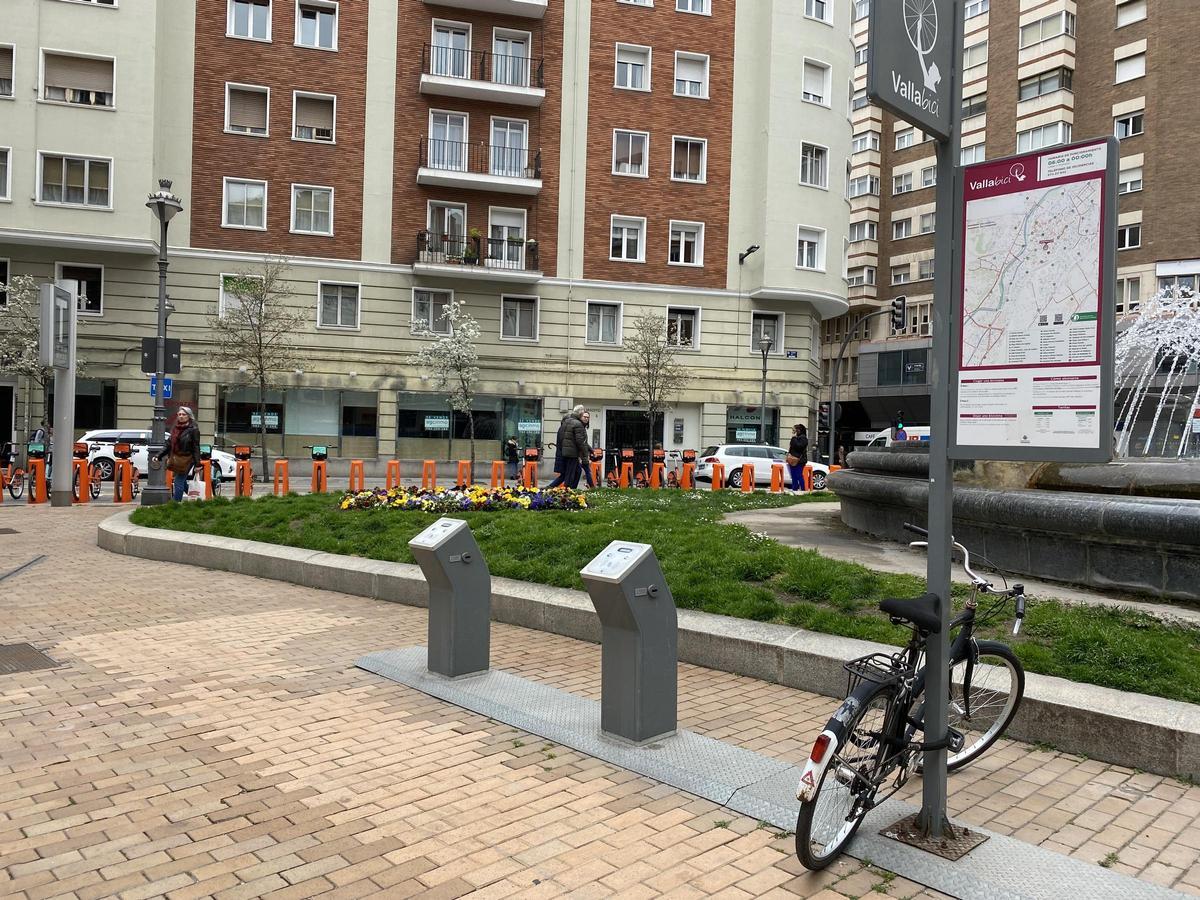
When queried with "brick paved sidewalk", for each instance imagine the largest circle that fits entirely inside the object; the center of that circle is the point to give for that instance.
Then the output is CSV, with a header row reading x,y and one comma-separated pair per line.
x,y
208,735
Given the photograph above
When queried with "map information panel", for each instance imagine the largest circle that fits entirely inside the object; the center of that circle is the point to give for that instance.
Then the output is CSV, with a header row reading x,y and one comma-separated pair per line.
x,y
1032,324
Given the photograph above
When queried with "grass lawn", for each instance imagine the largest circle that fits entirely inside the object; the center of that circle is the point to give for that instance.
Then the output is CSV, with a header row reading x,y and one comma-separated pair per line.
x,y
720,568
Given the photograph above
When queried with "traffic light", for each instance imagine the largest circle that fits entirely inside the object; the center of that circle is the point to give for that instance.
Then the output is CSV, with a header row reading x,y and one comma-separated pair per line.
x,y
898,304
823,416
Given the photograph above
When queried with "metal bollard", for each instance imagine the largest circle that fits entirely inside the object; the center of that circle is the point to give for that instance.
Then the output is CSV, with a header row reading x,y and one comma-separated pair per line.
x,y
639,652
460,597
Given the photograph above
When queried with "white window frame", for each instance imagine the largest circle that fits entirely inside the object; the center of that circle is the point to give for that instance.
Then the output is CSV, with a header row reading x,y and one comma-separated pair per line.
x,y
257,88
976,47
42,154
827,18
1063,132
645,173
867,279
1130,117
871,231
681,224
929,177
337,21
618,331
95,3
872,141
222,305
862,9
860,51
921,223
6,185
1117,79
780,333
58,276
313,95
696,315
1128,5
703,142
537,318
902,183
693,57
357,306
821,248
824,184
826,89
705,10
618,47
646,3
311,187
1126,230
868,192
974,8
906,137
1066,25
925,263
432,329
12,49
1122,180
897,276
901,229
612,222
238,37
53,51
225,202
454,25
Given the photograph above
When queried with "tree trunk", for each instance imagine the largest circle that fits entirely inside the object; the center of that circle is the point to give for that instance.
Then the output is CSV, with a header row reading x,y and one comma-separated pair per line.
x,y
262,425
471,429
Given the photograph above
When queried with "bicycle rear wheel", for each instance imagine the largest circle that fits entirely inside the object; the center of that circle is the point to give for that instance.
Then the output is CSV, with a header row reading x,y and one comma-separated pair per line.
x,y
16,484
828,821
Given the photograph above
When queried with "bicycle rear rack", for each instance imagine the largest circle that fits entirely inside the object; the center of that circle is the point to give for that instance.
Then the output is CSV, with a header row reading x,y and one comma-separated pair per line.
x,y
878,668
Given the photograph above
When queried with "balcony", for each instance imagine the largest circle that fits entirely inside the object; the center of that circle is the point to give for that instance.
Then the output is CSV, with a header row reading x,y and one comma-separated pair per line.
x,y
527,9
515,261
482,75
458,164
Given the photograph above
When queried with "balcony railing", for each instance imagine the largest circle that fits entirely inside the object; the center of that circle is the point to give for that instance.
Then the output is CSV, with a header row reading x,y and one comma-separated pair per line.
x,y
483,65
511,254
480,159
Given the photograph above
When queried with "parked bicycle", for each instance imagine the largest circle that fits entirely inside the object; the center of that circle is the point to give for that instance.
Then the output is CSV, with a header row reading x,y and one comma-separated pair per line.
x,y
12,477
871,745
95,477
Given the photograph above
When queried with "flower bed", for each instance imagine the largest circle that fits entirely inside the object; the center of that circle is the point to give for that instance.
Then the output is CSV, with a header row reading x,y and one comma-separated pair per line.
x,y
463,499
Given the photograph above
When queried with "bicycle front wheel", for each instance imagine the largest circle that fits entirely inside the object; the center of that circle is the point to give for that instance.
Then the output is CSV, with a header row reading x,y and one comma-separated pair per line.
x,y
828,821
16,485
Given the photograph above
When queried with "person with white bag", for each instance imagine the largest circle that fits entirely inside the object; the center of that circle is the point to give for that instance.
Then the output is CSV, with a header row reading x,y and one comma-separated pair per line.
x,y
182,452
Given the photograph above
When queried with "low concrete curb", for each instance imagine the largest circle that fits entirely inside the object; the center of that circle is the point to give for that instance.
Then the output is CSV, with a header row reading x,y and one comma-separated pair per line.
x,y
1135,730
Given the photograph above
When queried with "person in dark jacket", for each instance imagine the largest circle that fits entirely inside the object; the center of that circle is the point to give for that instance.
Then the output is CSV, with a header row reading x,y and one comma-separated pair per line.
x,y
182,451
572,445
797,455
585,456
512,456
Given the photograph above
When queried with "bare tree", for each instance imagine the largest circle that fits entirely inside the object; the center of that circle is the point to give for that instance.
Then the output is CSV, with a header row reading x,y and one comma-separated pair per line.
x,y
453,362
653,376
256,330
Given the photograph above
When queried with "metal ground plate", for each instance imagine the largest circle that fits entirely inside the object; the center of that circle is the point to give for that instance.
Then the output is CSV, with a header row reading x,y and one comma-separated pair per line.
x,y
23,658
956,843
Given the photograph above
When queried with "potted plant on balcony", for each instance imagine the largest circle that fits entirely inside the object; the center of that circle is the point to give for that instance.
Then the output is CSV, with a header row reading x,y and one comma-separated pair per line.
x,y
471,253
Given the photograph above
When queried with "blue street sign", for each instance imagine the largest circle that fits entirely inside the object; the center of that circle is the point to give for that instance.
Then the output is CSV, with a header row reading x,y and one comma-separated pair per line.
x,y
793,354
166,386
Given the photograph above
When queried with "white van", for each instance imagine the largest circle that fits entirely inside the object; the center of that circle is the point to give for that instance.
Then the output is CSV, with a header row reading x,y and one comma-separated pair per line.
x,y
911,433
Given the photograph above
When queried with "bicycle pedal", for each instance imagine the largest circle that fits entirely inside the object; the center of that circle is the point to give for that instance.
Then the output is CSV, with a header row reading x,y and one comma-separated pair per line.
x,y
956,739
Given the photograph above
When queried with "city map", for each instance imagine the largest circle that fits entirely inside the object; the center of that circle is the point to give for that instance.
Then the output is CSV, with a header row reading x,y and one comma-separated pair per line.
x,y
1031,272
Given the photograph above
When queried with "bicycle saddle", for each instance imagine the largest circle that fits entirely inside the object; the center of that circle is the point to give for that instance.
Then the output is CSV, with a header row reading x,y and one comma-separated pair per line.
x,y
924,611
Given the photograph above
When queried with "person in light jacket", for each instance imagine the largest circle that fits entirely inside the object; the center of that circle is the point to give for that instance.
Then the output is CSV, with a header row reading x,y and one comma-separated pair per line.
x,y
182,451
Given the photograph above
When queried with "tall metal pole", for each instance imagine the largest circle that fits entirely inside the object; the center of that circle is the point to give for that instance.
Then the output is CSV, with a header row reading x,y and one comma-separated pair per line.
x,y
932,819
762,409
156,490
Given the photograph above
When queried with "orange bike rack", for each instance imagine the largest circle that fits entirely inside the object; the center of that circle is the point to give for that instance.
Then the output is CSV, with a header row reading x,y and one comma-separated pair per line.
x,y
81,469
596,467
463,479
244,479
718,476
358,480
777,470
393,474
122,481
37,481
806,477
497,473
206,473
626,477
748,478
320,477
281,477
529,476
687,476
657,475
429,475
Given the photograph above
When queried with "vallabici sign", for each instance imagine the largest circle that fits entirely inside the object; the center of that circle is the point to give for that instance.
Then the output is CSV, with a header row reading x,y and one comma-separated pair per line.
x,y
910,51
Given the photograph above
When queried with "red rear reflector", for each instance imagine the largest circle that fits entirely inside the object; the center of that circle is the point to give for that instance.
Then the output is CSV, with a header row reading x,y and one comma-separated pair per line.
x,y
709,459
819,748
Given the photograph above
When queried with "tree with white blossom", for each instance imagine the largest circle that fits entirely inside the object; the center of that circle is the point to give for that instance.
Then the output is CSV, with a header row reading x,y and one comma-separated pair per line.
x,y
452,360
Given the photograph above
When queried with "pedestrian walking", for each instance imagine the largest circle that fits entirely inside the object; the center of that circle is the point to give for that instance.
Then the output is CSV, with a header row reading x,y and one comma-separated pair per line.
x,y
558,442
585,454
182,451
572,441
797,455
512,456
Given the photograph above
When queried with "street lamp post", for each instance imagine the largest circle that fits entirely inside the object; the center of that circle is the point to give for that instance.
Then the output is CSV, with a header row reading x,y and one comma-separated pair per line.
x,y
764,345
164,205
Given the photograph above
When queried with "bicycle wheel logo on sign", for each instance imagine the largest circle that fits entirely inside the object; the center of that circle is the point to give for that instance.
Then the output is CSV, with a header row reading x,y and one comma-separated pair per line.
x,y
921,26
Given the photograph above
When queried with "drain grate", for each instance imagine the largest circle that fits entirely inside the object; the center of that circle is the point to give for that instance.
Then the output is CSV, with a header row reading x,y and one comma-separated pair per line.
x,y
954,845
9,531
23,658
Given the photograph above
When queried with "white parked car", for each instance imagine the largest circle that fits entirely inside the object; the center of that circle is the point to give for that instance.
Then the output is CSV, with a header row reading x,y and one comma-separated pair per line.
x,y
763,457
100,453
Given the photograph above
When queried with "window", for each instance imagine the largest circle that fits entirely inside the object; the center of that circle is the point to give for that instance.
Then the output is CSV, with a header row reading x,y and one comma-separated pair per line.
x,y
864,230
447,141
862,9
312,209
88,282
519,318
1129,126
927,223
689,159
249,19
1131,67
859,99
898,367
860,56
864,185
316,24
687,244
1049,27
925,270
451,51
865,140
246,109
968,155
816,82
82,80
510,153
1129,292
245,204
338,306
810,248
1130,180
1045,136
506,238
429,311
633,67
603,323
814,165
692,6
510,57
906,138
76,181
3,281
974,106
5,174
1045,83
629,153
975,55
766,325
1130,11
628,239
974,8
901,228
901,274
691,75
817,9
929,176
6,71
860,277
1183,285
234,289
1129,237
902,184
313,116
682,331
